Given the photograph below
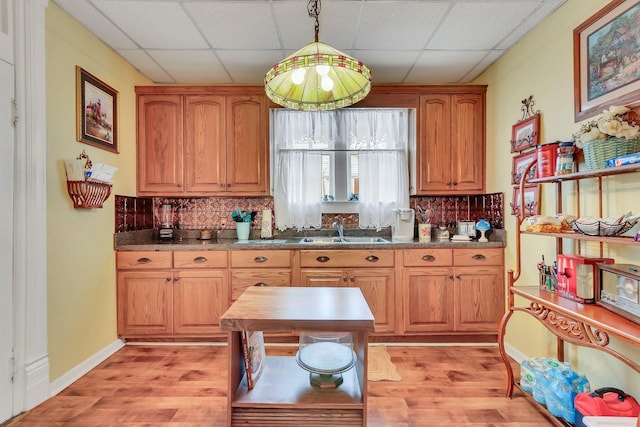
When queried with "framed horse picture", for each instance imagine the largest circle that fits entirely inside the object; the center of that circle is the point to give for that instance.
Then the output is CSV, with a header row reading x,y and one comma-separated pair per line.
x,y
97,112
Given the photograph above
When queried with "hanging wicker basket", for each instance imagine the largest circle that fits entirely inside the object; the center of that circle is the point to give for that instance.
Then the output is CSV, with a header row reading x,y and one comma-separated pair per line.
x,y
597,152
88,194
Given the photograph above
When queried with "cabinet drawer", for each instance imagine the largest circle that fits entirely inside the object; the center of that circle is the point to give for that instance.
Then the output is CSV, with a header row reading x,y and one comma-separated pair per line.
x,y
243,279
261,259
143,260
427,257
346,258
200,259
473,257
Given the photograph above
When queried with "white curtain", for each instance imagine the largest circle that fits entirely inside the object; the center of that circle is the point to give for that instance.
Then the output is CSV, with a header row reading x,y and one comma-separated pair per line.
x,y
381,137
298,171
383,171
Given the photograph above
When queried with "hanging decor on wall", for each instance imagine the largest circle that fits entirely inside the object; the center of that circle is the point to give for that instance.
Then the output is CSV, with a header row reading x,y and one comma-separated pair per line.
x,y
97,112
317,77
524,134
606,59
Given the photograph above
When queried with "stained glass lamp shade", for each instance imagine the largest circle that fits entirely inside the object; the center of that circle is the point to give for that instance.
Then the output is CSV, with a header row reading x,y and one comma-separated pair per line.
x,y
317,77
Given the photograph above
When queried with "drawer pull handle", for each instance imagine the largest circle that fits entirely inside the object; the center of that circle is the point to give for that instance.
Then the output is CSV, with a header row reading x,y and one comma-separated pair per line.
x,y
261,259
260,284
479,256
372,258
323,258
144,260
200,259
429,258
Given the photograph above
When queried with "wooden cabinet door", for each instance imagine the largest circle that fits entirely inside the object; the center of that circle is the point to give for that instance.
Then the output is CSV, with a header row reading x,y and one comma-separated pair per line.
x,y
324,277
378,289
205,144
428,300
434,144
144,301
467,143
200,297
160,145
247,144
479,297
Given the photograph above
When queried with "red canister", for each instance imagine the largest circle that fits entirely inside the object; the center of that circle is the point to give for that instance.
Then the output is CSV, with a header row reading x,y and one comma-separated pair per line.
x,y
547,159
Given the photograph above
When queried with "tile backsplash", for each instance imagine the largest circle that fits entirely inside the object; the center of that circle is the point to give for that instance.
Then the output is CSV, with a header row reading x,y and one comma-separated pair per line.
x,y
139,213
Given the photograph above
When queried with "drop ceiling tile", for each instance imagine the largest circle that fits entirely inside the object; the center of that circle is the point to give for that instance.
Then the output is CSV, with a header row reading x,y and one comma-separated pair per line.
x,y
96,23
235,24
153,24
387,66
403,25
338,23
249,67
480,25
444,66
537,16
195,66
146,65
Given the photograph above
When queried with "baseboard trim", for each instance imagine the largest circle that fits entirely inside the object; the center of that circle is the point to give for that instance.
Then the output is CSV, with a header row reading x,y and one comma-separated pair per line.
x,y
81,369
514,353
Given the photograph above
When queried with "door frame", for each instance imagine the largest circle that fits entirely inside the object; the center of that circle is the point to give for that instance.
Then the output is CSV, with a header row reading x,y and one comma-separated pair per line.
x,y
31,360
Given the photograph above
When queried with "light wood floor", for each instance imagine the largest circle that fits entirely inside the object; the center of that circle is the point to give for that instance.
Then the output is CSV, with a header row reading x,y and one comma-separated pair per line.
x,y
185,386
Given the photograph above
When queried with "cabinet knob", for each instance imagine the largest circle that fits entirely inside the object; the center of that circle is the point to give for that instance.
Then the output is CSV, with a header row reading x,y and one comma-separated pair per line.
x,y
222,184
322,258
479,256
344,278
175,279
200,260
449,183
168,279
451,276
260,284
260,259
353,279
372,258
144,260
428,258
228,185
179,185
458,277
455,182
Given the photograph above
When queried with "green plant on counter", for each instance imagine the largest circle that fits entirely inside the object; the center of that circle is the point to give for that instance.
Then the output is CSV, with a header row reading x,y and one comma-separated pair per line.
x,y
239,216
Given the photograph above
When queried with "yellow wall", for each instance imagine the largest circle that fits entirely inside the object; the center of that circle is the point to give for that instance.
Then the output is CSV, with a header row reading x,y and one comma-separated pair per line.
x,y
541,64
81,261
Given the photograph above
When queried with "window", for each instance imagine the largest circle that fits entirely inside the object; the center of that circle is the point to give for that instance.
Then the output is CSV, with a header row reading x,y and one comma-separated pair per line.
x,y
348,160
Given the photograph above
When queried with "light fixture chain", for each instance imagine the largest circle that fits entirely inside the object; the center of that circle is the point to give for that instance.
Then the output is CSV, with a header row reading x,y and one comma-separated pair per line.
x,y
313,8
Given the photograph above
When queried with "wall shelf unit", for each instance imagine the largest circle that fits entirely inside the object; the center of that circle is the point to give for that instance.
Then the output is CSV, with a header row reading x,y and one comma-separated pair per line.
x,y
586,325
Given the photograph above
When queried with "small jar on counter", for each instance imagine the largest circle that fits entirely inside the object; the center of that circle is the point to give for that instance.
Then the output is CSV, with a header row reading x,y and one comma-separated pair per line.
x,y
564,160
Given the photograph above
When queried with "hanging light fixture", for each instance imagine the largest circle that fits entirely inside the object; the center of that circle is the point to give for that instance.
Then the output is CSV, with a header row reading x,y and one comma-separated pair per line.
x,y
317,77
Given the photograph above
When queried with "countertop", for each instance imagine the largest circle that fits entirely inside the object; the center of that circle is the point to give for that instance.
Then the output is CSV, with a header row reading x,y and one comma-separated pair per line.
x,y
187,240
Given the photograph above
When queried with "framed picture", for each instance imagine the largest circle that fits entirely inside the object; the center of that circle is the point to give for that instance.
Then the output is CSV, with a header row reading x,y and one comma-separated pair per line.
x,y
97,112
520,163
531,201
524,134
606,59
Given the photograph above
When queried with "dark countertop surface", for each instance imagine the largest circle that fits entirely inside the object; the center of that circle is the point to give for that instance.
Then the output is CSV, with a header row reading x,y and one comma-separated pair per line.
x,y
188,240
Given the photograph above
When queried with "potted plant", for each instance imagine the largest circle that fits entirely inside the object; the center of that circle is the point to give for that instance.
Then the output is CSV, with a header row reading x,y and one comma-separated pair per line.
x,y
614,134
243,222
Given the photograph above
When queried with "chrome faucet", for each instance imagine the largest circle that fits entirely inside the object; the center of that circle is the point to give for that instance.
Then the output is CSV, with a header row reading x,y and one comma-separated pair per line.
x,y
340,227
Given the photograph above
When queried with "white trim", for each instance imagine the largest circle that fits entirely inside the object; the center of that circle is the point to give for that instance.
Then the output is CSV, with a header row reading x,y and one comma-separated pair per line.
x,y
515,354
30,203
82,368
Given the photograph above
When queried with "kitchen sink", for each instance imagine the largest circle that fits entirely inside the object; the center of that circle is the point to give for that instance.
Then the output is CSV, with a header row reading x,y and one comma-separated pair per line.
x,y
344,240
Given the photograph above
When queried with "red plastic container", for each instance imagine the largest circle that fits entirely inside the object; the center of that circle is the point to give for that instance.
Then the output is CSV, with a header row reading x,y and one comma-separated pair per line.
x,y
547,155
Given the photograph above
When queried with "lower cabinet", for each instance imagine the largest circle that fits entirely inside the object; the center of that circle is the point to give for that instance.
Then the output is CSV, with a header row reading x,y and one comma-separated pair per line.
x,y
453,290
377,282
171,294
259,268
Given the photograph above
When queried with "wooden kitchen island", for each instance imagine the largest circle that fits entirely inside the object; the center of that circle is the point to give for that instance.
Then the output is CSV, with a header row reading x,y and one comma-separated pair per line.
x,y
283,394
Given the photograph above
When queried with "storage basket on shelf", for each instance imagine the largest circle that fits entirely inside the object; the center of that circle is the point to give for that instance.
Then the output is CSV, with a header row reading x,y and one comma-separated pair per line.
x,y
598,151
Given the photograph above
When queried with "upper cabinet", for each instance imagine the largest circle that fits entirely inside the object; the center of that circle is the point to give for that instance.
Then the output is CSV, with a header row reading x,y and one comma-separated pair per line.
x,y
451,147
202,141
